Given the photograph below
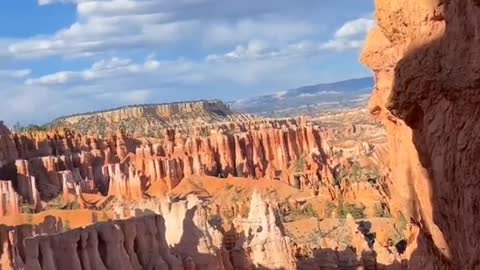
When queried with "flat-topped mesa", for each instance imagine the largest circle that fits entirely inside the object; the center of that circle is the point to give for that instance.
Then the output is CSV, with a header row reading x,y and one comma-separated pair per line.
x,y
148,119
167,110
424,54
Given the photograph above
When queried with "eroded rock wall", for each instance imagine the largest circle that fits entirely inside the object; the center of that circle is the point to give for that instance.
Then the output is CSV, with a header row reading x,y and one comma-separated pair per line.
x,y
424,55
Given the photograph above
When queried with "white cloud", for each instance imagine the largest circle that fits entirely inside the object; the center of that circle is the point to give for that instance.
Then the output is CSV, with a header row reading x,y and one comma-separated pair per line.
x,y
355,28
14,73
49,2
110,68
347,37
106,26
220,49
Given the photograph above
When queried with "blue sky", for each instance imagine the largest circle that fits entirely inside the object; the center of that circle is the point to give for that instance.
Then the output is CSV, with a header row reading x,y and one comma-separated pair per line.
x,y
66,56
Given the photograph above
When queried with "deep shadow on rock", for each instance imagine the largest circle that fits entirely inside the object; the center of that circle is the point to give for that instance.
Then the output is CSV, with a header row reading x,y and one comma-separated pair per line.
x,y
425,58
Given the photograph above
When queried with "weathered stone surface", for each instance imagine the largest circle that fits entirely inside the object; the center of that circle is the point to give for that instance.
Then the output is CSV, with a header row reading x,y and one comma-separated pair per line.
x,y
9,199
265,243
8,151
424,56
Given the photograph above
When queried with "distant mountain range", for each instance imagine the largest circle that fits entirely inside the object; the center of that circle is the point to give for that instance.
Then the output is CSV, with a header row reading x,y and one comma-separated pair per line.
x,y
309,99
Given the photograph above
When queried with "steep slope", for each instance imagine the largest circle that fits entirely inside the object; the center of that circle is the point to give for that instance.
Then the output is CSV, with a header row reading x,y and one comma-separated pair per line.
x,y
304,100
425,58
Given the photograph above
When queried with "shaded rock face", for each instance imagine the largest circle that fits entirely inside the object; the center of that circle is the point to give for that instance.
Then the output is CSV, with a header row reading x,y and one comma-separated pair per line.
x,y
424,56
180,238
137,243
186,241
8,152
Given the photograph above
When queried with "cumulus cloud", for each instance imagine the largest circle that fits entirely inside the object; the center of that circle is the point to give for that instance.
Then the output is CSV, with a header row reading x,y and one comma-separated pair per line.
x,y
113,25
109,68
355,28
349,36
164,50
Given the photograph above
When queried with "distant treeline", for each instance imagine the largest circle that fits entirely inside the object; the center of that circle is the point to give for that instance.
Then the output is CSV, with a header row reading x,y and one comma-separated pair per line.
x,y
18,128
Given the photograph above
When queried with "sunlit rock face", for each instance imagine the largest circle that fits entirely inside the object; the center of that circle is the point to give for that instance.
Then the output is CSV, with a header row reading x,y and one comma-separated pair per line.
x,y
424,55
265,242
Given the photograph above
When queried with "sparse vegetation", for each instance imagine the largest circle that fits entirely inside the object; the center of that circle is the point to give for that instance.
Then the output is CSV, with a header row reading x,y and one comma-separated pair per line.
x,y
381,212
299,165
74,205
330,209
66,225
56,203
27,208
400,228
357,212
306,211
356,174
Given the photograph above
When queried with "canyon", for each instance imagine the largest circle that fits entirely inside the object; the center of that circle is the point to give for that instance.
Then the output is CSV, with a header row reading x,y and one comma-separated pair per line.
x,y
249,179
203,187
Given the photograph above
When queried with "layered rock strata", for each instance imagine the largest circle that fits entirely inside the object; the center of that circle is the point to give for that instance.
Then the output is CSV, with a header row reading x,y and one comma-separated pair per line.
x,y
290,151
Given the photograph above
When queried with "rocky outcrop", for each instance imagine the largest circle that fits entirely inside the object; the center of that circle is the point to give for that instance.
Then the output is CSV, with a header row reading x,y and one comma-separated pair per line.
x,y
292,151
137,243
9,199
181,238
265,243
424,56
268,150
8,152
127,186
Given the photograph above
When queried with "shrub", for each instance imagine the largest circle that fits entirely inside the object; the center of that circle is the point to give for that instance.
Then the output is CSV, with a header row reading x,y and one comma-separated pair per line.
x,y
74,205
27,208
309,211
66,225
299,165
352,209
330,209
55,203
381,212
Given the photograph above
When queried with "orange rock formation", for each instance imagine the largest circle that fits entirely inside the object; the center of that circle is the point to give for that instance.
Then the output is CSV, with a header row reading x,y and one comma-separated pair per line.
x,y
424,56
291,151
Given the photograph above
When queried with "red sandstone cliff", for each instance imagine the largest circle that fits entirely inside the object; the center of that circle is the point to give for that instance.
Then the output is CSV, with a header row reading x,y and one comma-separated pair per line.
x,y
424,55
